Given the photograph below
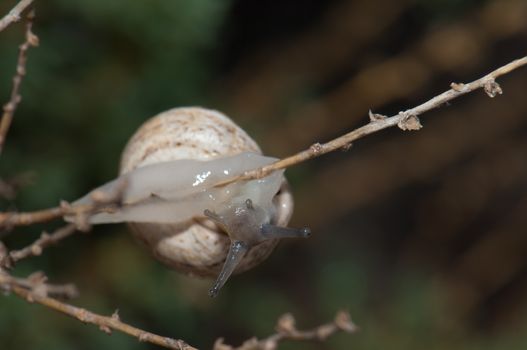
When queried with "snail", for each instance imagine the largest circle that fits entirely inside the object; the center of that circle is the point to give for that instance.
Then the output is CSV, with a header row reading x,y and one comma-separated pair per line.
x,y
168,174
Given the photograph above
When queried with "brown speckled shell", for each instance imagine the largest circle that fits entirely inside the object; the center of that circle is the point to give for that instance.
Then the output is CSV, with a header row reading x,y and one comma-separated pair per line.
x,y
195,247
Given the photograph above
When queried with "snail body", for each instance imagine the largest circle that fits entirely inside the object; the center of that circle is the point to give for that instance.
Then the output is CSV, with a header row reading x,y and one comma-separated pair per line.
x,y
180,190
168,174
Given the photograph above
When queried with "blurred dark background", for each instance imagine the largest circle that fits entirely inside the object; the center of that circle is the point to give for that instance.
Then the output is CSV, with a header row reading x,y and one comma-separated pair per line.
x,y
420,235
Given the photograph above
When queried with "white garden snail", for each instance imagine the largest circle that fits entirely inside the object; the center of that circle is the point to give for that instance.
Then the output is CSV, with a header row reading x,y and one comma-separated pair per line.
x,y
168,172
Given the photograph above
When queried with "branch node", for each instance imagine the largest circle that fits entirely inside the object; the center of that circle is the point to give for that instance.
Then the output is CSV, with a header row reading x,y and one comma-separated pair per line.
x,y
315,148
375,117
65,206
143,337
105,329
286,324
32,38
346,147
492,88
324,331
115,315
83,316
37,277
344,322
36,250
220,345
457,87
409,121
82,223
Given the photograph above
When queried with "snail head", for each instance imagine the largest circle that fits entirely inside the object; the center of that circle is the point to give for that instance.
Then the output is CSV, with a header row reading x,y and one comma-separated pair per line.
x,y
247,225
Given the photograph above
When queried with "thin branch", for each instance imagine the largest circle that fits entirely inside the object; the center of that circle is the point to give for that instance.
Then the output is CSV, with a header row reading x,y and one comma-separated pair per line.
x,y
406,120
78,214
14,15
10,219
45,240
10,107
36,283
286,330
28,291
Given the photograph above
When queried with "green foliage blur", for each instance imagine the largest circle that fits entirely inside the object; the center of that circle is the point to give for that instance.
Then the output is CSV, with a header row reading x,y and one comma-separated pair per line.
x,y
104,67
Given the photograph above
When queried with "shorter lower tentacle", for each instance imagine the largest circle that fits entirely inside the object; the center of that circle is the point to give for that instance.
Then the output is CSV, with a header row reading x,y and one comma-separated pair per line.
x,y
236,252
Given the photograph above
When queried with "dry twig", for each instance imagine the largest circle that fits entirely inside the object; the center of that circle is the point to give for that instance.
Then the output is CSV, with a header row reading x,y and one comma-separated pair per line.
x,y
10,107
10,219
35,290
406,120
286,330
44,241
14,15
36,283
78,214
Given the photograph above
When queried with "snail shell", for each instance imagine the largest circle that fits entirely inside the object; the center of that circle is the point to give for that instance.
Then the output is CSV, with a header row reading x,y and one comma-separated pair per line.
x,y
196,246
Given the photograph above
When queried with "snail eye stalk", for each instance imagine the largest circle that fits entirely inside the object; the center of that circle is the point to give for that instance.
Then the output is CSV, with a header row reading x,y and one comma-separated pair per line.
x,y
271,231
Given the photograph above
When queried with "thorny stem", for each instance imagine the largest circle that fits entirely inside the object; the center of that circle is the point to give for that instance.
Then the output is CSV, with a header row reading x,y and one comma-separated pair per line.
x,y
105,323
286,330
406,120
10,107
44,241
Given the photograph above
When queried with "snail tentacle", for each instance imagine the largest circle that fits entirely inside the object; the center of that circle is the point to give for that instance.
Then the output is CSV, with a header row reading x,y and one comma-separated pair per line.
x,y
272,231
236,252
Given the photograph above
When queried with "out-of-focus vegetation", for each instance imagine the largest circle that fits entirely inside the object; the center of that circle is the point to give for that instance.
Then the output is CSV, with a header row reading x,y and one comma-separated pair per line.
x,y
420,235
